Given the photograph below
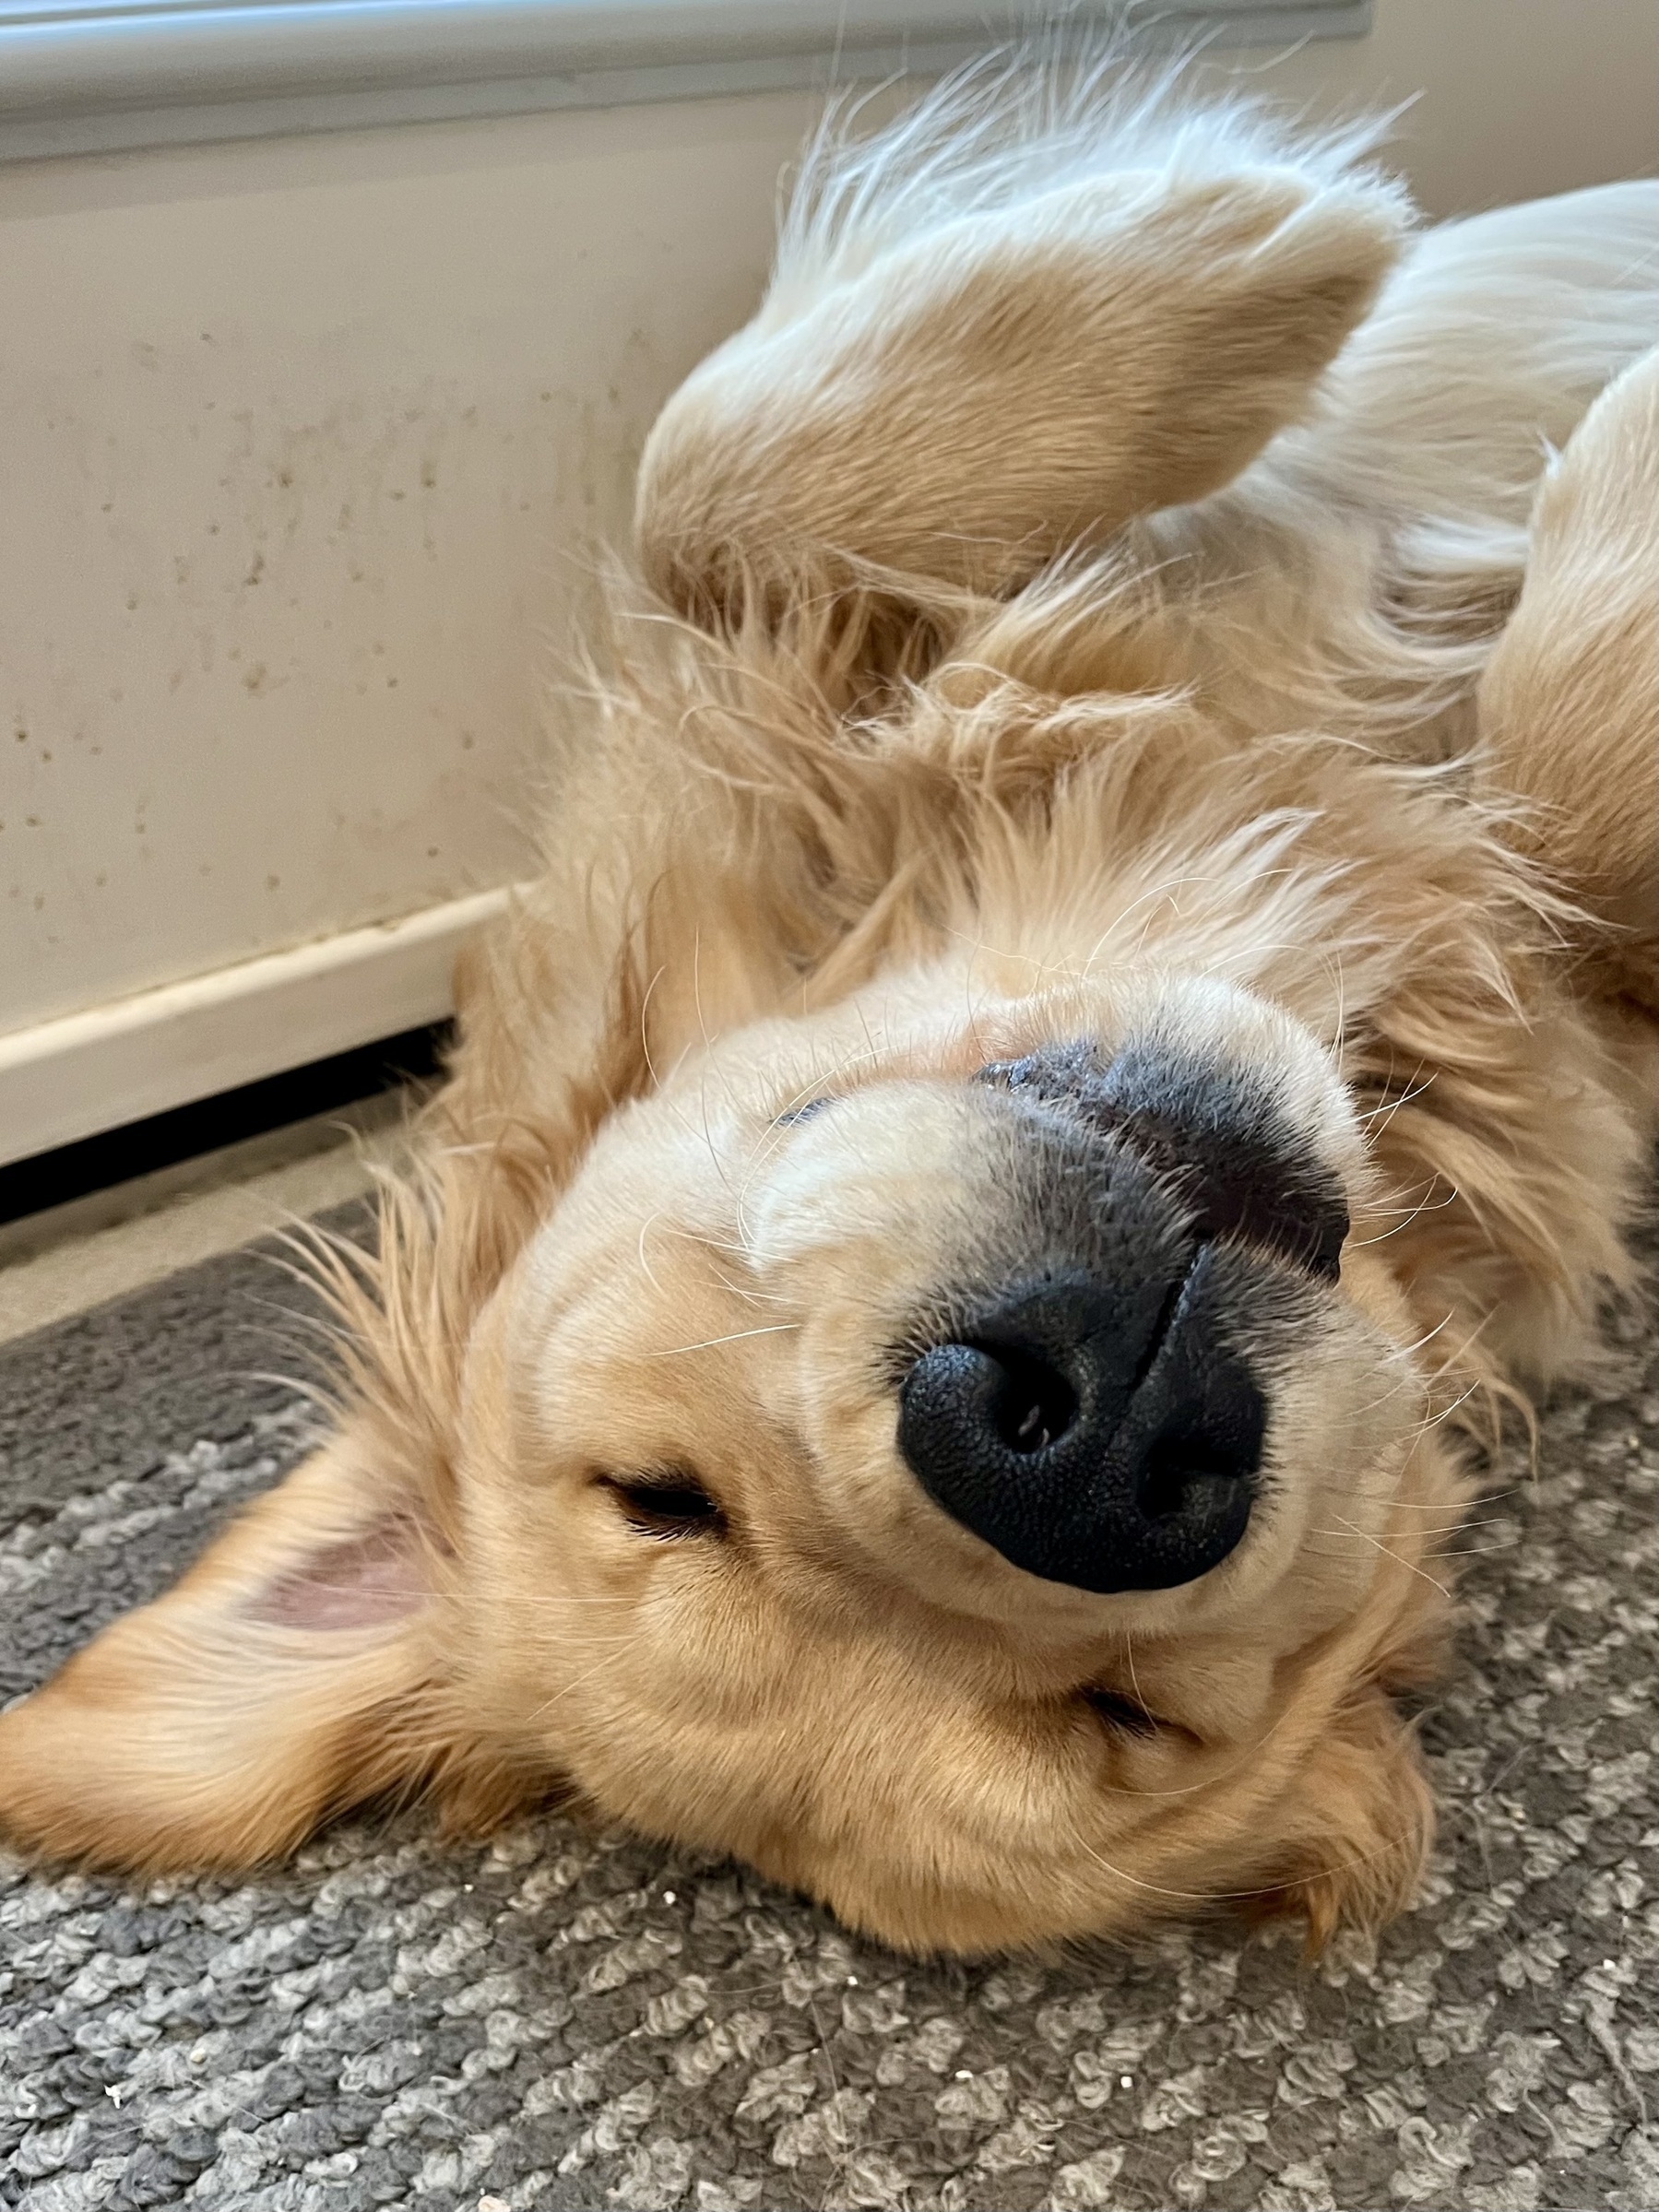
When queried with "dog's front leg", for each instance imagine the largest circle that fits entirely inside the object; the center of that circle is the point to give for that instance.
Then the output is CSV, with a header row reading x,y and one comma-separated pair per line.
x,y
957,377
1569,704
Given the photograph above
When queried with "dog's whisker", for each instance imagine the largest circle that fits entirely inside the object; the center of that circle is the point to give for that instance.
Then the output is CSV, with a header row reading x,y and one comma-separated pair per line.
x,y
540,1712
1388,1552
1400,1227
1220,1897
644,1265
750,1296
1384,1114
1485,1497
733,1337
1434,1420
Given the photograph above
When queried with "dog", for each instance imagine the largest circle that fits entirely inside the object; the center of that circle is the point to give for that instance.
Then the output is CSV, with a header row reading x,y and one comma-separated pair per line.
x,y
1087,1026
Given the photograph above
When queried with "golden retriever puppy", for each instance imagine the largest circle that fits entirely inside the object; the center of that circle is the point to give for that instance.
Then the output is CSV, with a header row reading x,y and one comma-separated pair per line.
x,y
922,1344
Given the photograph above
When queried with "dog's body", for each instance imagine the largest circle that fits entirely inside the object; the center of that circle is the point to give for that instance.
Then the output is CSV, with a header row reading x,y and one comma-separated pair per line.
x,y
1042,1069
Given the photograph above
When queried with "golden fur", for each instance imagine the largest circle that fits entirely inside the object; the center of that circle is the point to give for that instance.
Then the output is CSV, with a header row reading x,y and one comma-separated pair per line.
x,y
1083,569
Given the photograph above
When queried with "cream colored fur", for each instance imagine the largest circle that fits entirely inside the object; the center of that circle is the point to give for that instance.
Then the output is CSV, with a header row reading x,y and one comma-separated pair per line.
x,y
1580,655
1354,574
1084,569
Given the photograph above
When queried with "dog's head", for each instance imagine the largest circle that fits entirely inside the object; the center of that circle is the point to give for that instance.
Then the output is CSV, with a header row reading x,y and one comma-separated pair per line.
x,y
948,1454
948,1449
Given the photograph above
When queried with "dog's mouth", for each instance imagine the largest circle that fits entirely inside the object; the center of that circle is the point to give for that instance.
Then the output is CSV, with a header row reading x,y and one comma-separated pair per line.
x,y
1097,1418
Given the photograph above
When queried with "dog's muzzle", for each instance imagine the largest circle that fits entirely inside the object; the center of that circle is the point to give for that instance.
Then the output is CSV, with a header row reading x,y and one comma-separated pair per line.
x,y
1098,1420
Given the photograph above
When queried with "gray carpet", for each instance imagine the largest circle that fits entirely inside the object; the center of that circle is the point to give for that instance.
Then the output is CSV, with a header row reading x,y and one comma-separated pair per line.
x,y
564,2019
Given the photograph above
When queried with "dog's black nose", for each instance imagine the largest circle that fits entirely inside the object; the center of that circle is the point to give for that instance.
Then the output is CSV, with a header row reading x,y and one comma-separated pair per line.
x,y
1099,1421
1096,1432
1216,1137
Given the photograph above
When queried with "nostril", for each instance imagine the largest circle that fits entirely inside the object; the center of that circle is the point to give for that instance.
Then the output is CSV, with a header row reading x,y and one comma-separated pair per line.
x,y
1183,1474
1034,1406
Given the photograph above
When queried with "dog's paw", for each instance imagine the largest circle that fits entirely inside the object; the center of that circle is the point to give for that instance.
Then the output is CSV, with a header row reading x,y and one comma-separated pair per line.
x,y
989,390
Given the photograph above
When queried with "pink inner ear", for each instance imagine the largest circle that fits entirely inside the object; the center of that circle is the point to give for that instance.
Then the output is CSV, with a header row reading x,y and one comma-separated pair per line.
x,y
359,1583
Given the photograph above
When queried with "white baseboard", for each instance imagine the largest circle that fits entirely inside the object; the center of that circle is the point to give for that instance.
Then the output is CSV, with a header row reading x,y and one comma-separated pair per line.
x,y
70,1078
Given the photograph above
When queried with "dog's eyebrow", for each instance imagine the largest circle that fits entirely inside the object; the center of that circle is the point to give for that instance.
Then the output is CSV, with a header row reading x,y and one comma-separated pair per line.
x,y
802,1113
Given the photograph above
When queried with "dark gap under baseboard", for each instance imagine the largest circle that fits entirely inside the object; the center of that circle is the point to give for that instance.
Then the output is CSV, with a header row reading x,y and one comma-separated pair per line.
x,y
53,1179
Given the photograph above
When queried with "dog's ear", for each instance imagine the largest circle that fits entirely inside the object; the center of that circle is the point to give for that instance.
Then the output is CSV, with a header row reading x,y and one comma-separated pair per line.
x,y
980,393
1359,1826
300,1667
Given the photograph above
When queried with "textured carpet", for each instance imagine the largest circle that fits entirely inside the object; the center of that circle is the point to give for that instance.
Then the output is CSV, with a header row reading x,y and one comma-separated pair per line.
x,y
564,2019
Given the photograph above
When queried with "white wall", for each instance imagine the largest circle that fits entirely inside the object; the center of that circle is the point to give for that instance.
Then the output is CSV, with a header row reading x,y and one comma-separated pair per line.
x,y
303,447
1510,98
303,443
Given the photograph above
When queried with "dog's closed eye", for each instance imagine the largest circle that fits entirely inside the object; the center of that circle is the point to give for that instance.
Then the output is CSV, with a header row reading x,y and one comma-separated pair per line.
x,y
791,1115
667,1503
1126,1715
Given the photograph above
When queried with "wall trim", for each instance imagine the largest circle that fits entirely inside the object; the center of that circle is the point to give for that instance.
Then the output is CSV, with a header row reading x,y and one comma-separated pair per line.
x,y
72,1077
78,77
